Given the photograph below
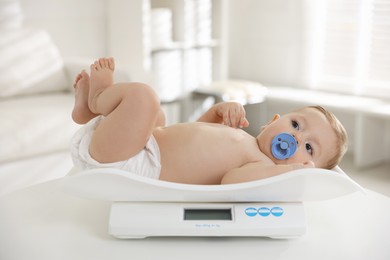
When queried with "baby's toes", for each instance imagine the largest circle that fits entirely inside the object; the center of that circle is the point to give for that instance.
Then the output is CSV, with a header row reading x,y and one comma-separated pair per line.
x,y
111,63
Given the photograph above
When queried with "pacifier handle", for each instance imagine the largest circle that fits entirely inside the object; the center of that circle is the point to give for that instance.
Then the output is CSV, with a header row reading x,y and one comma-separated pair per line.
x,y
283,146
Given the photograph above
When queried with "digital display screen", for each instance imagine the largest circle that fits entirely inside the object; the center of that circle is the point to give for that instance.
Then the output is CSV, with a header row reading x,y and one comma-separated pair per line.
x,y
208,214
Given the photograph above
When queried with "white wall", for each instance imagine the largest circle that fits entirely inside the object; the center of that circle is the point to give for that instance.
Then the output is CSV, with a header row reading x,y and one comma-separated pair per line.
x,y
266,41
77,27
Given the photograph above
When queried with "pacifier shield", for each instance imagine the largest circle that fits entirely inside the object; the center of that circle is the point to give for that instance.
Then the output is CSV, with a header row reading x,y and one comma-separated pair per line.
x,y
283,146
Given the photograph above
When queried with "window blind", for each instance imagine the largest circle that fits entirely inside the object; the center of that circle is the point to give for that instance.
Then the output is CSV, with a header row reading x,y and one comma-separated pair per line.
x,y
350,46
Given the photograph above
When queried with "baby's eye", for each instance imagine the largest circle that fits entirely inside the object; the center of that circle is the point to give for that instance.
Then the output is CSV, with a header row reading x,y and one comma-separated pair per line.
x,y
295,124
309,149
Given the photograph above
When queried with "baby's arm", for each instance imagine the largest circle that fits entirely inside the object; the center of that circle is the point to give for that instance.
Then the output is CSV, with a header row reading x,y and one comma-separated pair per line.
x,y
260,170
227,113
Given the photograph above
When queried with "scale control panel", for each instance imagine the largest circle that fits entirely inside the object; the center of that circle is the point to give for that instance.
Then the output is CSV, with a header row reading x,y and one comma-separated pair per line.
x,y
269,219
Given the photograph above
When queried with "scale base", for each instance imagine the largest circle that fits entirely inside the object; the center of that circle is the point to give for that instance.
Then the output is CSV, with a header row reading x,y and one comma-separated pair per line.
x,y
138,220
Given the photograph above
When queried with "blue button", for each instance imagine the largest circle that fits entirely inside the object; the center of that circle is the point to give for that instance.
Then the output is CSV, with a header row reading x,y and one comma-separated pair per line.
x,y
251,212
264,211
277,211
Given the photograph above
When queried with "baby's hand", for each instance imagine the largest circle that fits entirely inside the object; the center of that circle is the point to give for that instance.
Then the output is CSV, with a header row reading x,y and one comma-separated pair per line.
x,y
232,114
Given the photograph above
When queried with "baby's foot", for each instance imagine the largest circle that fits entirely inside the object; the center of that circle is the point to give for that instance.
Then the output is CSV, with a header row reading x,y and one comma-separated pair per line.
x,y
102,76
81,113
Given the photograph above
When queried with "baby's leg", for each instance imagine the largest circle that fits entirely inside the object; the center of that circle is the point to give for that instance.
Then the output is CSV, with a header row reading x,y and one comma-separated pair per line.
x,y
81,113
131,110
161,119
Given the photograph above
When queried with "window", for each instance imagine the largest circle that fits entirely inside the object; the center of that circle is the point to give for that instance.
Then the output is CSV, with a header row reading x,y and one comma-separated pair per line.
x,y
349,46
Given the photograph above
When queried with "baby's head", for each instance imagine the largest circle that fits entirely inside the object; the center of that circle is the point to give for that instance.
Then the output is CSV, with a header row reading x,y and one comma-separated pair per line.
x,y
321,137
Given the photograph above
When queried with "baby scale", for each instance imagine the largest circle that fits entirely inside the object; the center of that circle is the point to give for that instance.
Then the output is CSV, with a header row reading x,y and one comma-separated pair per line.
x,y
272,207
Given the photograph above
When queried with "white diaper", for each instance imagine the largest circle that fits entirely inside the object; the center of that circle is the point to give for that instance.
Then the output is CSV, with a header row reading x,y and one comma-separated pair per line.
x,y
146,163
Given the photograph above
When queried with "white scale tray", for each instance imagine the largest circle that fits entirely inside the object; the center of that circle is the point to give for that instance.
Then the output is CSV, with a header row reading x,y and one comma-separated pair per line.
x,y
300,185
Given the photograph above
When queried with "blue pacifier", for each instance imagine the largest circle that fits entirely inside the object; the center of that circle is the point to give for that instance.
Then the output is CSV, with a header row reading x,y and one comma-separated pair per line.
x,y
283,146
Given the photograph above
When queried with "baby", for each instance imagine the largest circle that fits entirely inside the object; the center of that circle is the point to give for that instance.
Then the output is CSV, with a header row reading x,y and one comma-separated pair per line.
x,y
124,128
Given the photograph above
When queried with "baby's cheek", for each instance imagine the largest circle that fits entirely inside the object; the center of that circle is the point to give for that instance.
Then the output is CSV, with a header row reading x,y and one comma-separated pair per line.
x,y
310,164
298,157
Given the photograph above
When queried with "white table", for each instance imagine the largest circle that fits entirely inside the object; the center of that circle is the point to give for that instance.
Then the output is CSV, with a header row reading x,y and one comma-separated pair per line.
x,y
42,222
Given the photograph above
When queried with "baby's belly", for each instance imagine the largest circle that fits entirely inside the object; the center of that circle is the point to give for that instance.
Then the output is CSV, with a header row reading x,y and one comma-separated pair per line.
x,y
201,153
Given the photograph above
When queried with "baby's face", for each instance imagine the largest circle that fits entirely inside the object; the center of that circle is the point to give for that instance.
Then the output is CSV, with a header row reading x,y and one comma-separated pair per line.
x,y
316,139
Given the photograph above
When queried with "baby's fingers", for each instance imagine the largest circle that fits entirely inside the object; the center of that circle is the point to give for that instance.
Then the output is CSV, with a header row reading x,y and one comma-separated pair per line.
x,y
232,114
241,118
243,122
229,118
236,118
233,118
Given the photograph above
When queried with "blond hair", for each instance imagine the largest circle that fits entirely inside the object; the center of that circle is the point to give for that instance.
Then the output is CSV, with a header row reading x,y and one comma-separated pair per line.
x,y
341,135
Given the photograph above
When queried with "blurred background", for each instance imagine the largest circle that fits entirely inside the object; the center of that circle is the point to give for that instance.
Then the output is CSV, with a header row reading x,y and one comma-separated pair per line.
x,y
271,55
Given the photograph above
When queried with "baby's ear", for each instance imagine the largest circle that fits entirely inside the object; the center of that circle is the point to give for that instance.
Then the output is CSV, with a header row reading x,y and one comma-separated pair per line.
x,y
276,117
